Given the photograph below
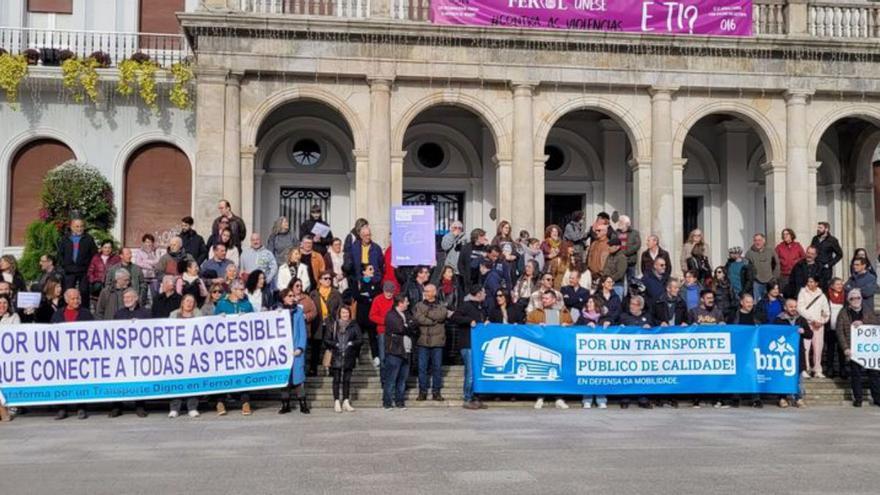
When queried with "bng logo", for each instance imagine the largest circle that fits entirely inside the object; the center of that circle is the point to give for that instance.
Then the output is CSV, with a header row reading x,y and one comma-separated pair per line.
x,y
782,357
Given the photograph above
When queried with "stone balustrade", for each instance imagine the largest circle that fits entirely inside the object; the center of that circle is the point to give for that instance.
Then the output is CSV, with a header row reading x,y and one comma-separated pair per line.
x,y
844,20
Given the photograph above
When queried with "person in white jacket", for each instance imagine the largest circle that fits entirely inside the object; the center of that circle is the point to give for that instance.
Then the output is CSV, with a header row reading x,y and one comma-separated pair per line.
x,y
813,305
294,268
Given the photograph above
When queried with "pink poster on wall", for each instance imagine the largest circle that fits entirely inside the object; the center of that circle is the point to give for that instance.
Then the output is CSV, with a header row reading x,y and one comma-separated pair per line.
x,y
701,17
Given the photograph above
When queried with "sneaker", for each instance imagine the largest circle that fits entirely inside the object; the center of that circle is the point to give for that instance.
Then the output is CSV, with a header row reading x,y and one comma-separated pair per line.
x,y
141,412
173,414
115,412
337,406
783,403
221,409
246,409
588,404
82,414
471,406
539,403
376,362
696,404
603,406
560,404
820,375
800,403
717,405
193,414
61,414
480,404
806,374
646,405
624,405
346,406
388,408
757,404
402,407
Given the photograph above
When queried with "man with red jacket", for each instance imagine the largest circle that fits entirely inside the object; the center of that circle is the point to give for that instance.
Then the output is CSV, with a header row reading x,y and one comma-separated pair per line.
x,y
378,311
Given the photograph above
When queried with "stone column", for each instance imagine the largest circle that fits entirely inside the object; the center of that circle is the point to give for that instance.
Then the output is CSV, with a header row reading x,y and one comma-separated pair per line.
x,y
503,189
379,180
797,169
797,17
538,198
209,166
641,174
774,189
614,166
258,205
733,135
361,199
397,177
247,187
524,183
232,143
664,214
678,233
813,193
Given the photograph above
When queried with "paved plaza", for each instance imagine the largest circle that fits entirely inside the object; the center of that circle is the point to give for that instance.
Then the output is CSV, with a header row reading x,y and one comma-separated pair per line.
x,y
817,450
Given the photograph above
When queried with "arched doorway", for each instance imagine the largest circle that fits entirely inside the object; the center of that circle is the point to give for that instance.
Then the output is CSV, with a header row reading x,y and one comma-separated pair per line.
x,y
29,168
724,189
587,167
448,151
304,157
158,193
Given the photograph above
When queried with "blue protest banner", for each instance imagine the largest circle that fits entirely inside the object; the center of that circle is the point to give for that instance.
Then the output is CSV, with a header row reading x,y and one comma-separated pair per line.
x,y
412,235
581,360
102,361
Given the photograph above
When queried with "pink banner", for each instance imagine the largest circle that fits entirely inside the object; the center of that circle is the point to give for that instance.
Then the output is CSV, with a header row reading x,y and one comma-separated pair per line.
x,y
706,17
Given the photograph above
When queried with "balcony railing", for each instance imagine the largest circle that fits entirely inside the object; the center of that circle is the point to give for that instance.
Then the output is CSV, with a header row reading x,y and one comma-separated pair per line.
x,y
165,49
819,18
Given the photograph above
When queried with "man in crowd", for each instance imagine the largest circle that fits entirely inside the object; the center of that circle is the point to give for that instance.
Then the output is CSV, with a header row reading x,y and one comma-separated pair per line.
x,y
257,257
573,295
631,242
472,254
73,311
603,222
576,233
138,282
365,252
131,307
656,281
707,313
615,266
537,296
745,314
214,269
791,317
415,288
451,244
598,252
549,314
863,280
763,265
670,309
430,315
308,228
110,299
828,251
48,271
738,271
236,224
400,330
855,314
168,299
467,316
379,309
635,315
193,243
75,251
652,252
809,267
313,260
234,303
492,280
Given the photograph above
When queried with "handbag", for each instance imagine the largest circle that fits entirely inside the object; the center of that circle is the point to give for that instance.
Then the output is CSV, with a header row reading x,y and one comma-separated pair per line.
x,y
328,359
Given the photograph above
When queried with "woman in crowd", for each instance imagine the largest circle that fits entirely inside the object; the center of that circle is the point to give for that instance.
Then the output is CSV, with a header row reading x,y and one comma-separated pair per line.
x,y
297,376
334,260
592,316
233,253
725,299
257,293
281,240
698,262
695,237
503,233
51,301
354,235
558,266
863,254
9,273
230,276
189,282
104,258
310,311
169,263
146,258
188,309
449,288
771,304
608,300
215,293
343,341
813,306
505,311
552,245
366,291
836,301
527,284
789,251
293,269
327,301
7,315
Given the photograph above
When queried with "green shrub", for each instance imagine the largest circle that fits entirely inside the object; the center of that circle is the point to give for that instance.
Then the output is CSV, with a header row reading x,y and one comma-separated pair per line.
x,y
75,188
40,238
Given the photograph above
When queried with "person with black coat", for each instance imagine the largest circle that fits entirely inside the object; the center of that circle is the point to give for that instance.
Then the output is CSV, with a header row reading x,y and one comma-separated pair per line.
x,y
400,334
327,301
670,309
471,256
343,340
363,293
791,316
50,303
806,268
468,315
72,311
573,295
193,243
167,300
745,314
504,311
75,252
321,242
828,251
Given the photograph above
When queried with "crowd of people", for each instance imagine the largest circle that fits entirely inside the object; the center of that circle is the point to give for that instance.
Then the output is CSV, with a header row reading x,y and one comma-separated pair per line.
x,y
351,294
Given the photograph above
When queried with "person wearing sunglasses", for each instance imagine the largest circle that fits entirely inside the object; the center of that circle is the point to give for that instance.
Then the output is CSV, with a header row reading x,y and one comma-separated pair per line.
x,y
546,285
215,293
505,311
327,301
725,298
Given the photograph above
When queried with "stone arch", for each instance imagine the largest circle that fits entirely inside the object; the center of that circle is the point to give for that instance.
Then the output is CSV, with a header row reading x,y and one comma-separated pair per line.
x,y
831,165
710,166
280,131
638,139
460,141
289,95
585,148
859,110
457,99
763,127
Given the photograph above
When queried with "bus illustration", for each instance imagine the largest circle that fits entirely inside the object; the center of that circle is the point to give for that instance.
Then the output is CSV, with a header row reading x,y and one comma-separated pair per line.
x,y
513,358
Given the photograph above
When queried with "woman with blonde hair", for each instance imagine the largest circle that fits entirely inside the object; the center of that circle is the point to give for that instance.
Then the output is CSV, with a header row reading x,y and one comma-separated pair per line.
x,y
294,269
9,273
694,237
281,240
503,234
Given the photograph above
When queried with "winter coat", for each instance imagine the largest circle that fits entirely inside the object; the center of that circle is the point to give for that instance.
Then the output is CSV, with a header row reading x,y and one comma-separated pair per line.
x,y
163,305
138,282
259,259
762,308
740,276
655,286
469,260
364,294
845,321
147,261
669,310
353,263
321,244
379,311
195,288
700,265
867,285
336,264
109,301
344,341
828,251
300,340
788,256
469,311
575,233
83,314
310,312
629,320
813,306
137,313
686,250
725,299
764,265
740,318
631,247
397,329
87,249
236,226
287,273
537,316
280,245
613,306
574,297
647,263
169,264
194,245
233,252
615,266
515,314
807,334
801,272
455,297
319,324
227,307
98,268
431,318
596,257
451,246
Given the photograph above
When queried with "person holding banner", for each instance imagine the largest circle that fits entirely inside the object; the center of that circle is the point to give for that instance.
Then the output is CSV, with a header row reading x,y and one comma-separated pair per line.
x,y
790,316
400,330
467,316
131,307
235,303
297,377
856,314
187,309
591,316
550,314
610,300
7,315
71,312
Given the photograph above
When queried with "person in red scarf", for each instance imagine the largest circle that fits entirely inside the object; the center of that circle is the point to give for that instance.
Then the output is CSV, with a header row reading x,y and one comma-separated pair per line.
x,y
72,311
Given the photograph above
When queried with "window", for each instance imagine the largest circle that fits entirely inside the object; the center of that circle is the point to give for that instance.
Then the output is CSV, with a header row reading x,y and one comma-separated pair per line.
x,y
555,158
29,168
158,192
306,152
430,155
50,6
158,16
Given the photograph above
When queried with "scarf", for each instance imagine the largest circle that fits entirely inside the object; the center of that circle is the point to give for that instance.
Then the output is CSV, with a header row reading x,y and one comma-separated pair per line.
x,y
324,293
446,287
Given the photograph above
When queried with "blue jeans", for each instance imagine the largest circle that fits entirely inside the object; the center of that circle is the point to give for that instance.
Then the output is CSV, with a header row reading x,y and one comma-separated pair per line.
x,y
380,339
758,290
468,389
396,371
619,290
435,355
600,399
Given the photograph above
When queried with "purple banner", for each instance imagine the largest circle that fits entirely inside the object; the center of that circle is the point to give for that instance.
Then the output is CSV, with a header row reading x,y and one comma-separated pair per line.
x,y
412,235
706,17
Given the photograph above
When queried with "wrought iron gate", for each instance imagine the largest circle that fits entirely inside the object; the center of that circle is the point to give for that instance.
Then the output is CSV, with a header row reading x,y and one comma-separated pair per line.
x,y
297,201
448,207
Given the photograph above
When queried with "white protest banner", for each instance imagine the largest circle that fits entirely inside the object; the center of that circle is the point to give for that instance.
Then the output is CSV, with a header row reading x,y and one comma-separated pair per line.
x,y
28,300
865,346
103,361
